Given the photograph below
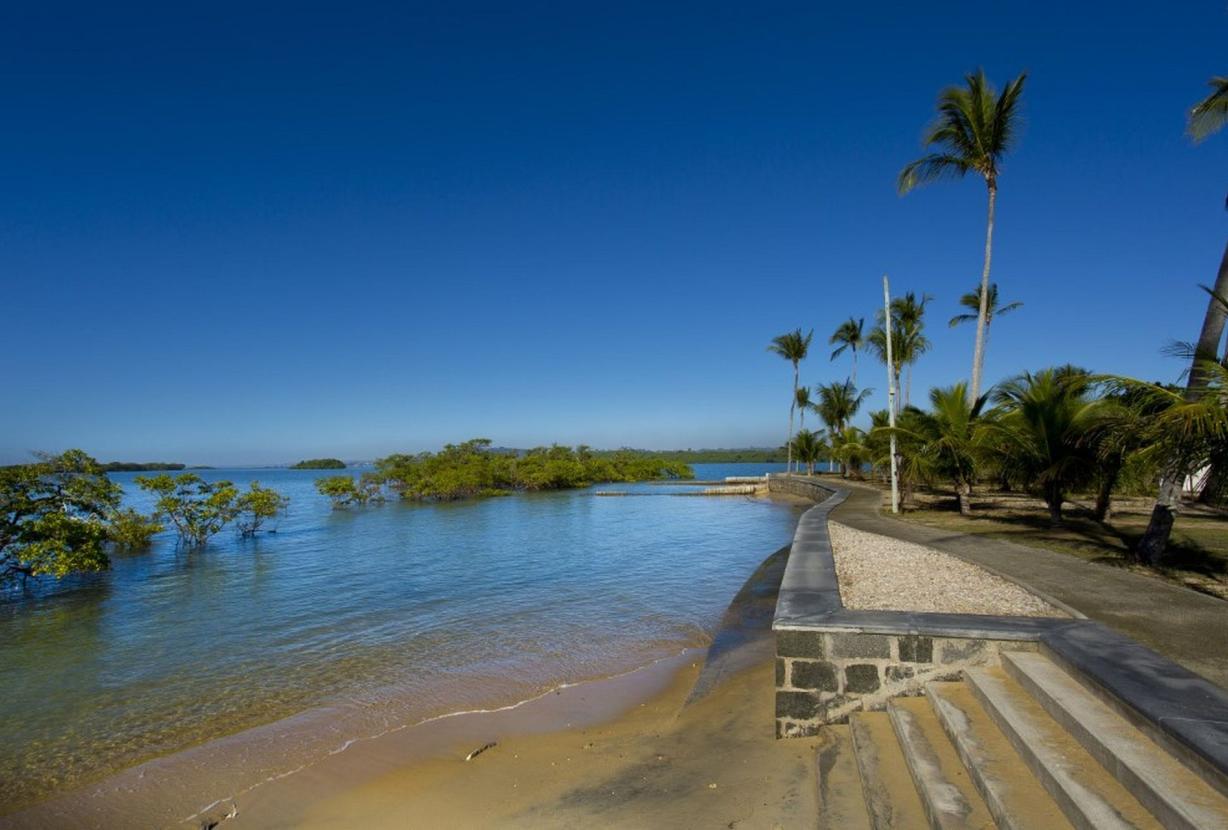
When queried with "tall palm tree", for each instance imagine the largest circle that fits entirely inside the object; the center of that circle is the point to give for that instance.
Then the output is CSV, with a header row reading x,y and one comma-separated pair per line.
x,y
908,341
1206,117
974,130
838,405
972,301
850,336
793,347
1047,418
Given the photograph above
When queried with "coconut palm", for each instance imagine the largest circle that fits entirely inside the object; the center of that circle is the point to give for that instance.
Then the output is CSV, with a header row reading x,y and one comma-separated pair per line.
x,y
953,430
838,405
793,347
849,447
1183,429
1211,113
908,341
972,301
808,447
913,465
850,336
1046,419
974,130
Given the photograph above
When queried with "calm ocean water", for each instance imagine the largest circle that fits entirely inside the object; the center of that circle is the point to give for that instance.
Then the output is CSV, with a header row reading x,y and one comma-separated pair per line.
x,y
390,614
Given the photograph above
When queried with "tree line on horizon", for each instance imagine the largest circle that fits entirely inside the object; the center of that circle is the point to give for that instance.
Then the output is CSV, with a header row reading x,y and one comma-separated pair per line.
x,y
1050,431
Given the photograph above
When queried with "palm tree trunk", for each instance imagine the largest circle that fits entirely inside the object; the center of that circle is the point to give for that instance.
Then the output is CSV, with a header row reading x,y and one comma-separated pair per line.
x,y
1104,493
1054,499
1154,541
978,351
963,492
854,378
792,407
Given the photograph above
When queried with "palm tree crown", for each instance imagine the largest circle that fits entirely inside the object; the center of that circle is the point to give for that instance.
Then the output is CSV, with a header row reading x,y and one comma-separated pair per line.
x,y
838,404
1211,113
850,337
908,341
972,301
974,129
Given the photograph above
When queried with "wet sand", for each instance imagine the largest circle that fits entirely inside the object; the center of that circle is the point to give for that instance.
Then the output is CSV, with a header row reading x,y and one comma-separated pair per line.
x,y
699,753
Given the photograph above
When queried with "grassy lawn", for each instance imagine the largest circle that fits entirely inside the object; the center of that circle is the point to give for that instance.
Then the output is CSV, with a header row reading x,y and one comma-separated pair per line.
x,y
1199,546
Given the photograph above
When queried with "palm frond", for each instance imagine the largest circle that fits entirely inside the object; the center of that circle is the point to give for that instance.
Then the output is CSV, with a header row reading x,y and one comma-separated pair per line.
x,y
1211,113
931,168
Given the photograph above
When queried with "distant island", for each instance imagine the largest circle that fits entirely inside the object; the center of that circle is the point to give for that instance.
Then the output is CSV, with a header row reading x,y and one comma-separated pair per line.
x,y
140,466
320,464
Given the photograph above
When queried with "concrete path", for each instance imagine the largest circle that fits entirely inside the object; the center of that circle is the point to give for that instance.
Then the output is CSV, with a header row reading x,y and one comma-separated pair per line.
x,y
1187,627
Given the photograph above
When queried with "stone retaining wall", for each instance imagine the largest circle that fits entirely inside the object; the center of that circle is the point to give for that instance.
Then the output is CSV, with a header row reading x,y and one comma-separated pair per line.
x,y
832,661
802,486
822,676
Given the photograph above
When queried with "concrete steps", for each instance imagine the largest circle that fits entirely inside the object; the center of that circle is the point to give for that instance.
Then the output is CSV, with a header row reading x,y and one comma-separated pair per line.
x,y
1025,747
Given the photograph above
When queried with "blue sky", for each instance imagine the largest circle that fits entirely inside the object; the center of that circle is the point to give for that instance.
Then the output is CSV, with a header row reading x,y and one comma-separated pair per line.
x,y
248,233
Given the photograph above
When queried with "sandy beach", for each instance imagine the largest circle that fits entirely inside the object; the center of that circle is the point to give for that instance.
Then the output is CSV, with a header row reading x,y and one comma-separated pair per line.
x,y
698,751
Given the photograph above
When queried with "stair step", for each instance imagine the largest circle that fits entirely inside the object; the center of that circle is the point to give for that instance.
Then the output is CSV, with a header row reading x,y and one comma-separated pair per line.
x,y
890,795
1171,791
1014,797
841,804
1087,793
950,799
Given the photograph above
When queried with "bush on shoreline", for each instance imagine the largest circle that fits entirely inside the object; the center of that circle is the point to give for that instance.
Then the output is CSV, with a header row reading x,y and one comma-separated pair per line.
x,y
472,469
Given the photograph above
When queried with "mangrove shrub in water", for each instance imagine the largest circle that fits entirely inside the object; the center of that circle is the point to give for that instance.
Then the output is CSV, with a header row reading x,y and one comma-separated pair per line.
x,y
54,516
474,469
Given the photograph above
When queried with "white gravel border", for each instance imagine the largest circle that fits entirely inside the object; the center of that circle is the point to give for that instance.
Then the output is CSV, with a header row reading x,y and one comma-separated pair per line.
x,y
885,574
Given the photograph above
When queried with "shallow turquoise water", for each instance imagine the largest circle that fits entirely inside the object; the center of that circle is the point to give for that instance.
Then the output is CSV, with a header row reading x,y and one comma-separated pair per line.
x,y
393,613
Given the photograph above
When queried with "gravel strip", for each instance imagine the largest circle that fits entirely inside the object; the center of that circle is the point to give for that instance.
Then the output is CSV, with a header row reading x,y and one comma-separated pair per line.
x,y
885,574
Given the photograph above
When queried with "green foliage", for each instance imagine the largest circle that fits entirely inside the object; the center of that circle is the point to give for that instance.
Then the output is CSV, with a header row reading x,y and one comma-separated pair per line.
x,y
838,404
130,530
196,508
745,455
1211,113
1047,417
908,340
345,491
975,127
320,464
809,448
793,346
139,466
473,469
53,516
972,302
256,506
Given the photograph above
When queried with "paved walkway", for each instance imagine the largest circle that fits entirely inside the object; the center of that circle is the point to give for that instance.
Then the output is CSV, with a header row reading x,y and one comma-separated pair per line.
x,y
1187,627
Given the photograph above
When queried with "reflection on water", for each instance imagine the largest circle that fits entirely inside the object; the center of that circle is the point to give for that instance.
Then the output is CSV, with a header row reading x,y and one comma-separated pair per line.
x,y
390,613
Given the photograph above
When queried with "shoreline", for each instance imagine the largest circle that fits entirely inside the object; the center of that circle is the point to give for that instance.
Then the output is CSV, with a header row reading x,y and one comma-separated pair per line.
x,y
227,778
199,785
160,791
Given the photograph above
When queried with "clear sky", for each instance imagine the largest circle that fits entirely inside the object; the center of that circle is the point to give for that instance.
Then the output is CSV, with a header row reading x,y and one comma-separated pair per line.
x,y
241,233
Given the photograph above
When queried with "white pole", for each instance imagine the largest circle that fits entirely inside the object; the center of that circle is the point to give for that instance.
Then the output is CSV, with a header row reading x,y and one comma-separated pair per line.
x,y
895,478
